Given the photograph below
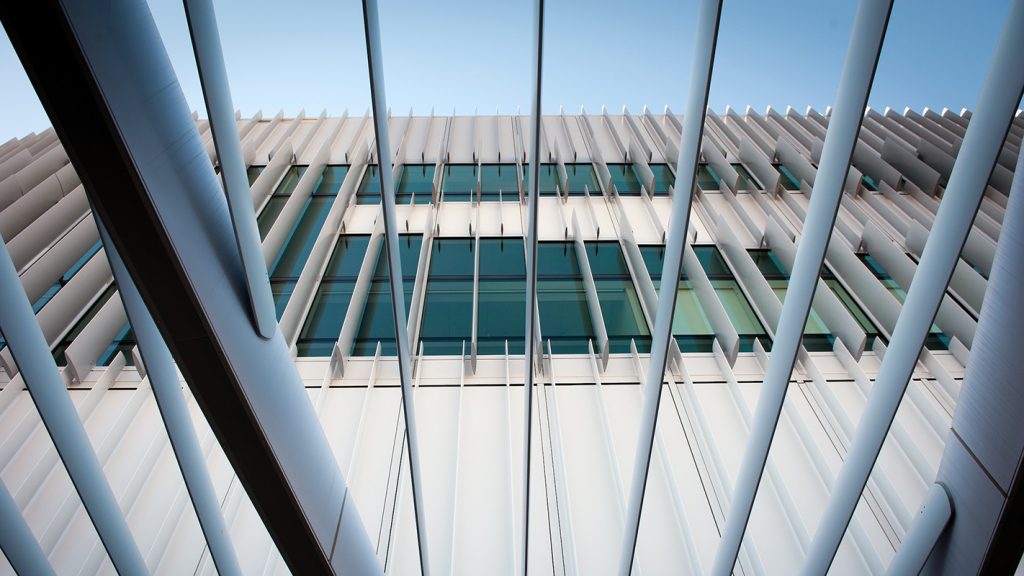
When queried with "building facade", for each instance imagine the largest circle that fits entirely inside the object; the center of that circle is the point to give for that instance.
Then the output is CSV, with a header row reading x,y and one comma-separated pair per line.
x,y
605,196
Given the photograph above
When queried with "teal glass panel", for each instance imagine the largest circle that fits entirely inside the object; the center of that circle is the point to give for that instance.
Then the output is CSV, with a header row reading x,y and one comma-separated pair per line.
x,y
377,322
330,304
620,306
548,181
625,179
369,187
124,342
415,185
844,296
564,315
690,326
459,183
447,323
787,179
663,179
501,312
253,172
707,179
746,179
272,209
293,256
936,339
869,183
498,180
580,177
817,337
83,321
52,290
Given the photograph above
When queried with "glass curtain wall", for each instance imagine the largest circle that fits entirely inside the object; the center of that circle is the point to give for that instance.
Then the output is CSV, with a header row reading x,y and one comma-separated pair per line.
x,y
564,315
377,323
285,270
501,308
447,323
330,304
936,339
690,326
620,306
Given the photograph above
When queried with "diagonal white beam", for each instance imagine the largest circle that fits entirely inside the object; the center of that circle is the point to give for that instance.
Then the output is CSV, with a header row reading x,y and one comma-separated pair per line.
x,y
163,378
17,541
682,196
932,519
202,25
374,57
532,204
869,26
982,143
51,397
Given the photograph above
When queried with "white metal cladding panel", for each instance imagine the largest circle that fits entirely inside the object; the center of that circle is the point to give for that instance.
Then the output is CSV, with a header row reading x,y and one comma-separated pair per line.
x,y
472,432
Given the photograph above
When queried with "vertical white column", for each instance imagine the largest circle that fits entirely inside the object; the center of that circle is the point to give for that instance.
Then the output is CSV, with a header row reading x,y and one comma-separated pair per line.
x,y
984,138
862,53
51,397
532,204
374,55
202,24
682,197
163,378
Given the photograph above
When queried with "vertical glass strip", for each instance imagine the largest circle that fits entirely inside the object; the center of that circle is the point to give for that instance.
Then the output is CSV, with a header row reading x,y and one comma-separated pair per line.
x,y
63,280
620,306
327,314
285,270
377,323
501,311
448,308
564,315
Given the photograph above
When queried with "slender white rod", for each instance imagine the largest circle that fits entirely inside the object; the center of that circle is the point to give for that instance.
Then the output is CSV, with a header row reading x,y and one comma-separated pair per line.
x,y
374,57
532,204
202,25
869,26
163,378
993,114
682,197
32,354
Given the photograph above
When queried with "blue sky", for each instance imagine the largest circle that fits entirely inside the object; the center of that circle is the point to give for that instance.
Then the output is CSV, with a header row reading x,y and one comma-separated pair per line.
x,y
474,55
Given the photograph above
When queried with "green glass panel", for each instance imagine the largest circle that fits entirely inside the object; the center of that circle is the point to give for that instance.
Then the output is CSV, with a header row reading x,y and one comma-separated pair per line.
x,y
625,179
663,179
460,182
745,178
416,179
347,258
787,179
377,322
869,183
330,181
564,315
707,179
817,337
694,333
302,237
448,306
498,178
253,172
501,312
548,181
281,290
271,210
369,187
123,342
327,314
936,339
620,306
580,176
